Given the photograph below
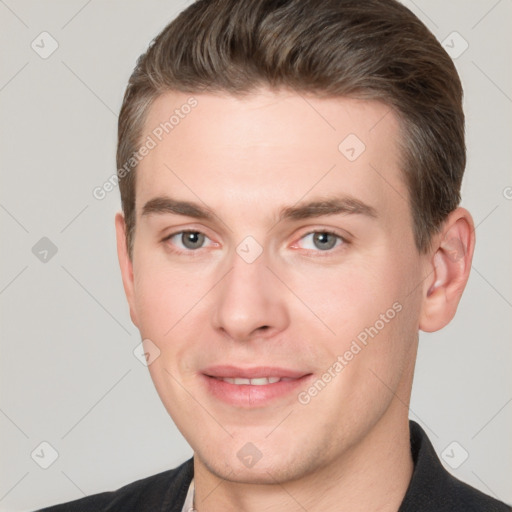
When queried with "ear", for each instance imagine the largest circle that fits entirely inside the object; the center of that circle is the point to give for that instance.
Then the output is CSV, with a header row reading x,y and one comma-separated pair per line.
x,y
126,266
449,264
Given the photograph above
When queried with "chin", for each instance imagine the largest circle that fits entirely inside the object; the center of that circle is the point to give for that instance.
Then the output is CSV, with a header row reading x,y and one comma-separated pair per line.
x,y
265,470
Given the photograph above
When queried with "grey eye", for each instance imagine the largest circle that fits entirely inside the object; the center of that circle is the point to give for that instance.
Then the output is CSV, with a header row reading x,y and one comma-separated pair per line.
x,y
321,240
192,239
324,241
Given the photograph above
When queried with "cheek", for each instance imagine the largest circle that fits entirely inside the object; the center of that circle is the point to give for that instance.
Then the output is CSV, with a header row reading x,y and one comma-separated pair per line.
x,y
369,307
349,296
163,295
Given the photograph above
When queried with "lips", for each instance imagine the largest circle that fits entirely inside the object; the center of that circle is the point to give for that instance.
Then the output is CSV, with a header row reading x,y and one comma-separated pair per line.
x,y
258,381
257,372
254,387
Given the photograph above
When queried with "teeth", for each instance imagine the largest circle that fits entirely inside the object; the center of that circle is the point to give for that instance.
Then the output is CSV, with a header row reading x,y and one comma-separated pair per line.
x,y
260,381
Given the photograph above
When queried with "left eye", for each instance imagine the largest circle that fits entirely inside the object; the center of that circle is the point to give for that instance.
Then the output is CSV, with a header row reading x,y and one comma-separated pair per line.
x,y
322,240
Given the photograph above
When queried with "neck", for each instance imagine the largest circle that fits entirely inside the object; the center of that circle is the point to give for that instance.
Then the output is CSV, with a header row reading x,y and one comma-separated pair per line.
x,y
372,475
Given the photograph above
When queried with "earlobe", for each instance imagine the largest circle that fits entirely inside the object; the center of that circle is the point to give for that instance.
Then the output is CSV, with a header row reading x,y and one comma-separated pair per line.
x,y
126,265
449,267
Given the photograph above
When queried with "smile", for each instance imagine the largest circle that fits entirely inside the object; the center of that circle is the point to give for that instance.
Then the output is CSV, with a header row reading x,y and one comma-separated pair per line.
x,y
258,381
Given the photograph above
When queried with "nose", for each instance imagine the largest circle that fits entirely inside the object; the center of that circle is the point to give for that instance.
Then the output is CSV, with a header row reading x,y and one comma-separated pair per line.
x,y
250,301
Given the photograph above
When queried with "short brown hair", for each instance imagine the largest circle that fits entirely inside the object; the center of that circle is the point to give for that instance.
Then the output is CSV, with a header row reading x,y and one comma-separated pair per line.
x,y
372,49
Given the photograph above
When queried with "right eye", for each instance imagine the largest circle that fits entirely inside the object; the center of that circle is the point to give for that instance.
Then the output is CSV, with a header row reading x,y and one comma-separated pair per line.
x,y
186,241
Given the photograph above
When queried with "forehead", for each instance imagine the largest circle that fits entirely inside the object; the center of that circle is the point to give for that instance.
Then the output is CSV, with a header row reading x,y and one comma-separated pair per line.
x,y
269,149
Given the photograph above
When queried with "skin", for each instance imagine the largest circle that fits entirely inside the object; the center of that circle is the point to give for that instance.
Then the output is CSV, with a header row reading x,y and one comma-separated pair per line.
x,y
297,305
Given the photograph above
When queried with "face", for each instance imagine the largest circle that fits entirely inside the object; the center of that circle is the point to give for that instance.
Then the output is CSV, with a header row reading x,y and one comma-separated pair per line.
x,y
274,239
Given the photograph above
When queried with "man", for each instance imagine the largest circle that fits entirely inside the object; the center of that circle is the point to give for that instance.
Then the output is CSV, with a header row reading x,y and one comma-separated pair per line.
x,y
290,177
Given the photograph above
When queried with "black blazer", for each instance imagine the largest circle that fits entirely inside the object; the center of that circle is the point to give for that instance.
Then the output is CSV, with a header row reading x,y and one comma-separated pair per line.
x,y
431,489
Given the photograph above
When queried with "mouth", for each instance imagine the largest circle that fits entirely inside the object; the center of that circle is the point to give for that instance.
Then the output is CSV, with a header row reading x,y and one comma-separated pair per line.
x,y
258,381
253,387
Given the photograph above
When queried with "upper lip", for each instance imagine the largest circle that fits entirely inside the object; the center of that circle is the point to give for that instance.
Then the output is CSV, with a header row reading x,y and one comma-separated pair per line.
x,y
253,372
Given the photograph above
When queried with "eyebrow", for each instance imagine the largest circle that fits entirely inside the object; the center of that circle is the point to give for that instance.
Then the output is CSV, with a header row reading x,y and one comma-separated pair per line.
x,y
164,204
330,206
317,208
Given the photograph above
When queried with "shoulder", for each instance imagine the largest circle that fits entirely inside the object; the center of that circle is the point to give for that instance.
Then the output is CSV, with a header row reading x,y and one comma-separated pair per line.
x,y
163,491
462,496
434,489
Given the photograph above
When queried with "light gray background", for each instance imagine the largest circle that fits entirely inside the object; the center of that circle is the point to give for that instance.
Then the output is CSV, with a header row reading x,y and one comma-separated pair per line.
x,y
68,373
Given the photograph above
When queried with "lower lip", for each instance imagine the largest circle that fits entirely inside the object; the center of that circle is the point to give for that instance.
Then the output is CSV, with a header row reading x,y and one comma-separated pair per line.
x,y
249,396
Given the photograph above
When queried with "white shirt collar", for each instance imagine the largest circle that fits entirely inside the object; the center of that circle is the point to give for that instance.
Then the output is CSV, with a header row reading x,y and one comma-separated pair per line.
x,y
189,500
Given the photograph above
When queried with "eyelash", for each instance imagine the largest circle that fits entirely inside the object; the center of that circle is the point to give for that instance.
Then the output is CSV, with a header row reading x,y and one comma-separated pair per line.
x,y
328,252
188,252
319,253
